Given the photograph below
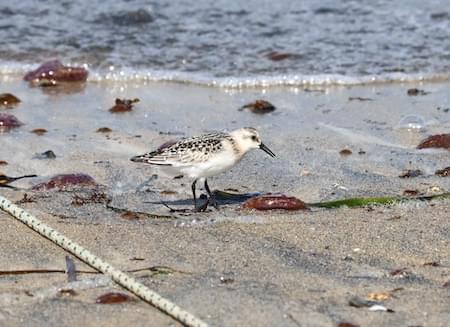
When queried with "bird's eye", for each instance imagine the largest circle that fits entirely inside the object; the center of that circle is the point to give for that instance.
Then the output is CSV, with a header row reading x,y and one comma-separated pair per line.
x,y
254,138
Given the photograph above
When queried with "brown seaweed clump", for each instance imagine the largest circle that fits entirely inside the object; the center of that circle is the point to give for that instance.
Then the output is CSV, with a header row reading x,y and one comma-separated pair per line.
x,y
8,122
259,107
94,197
345,152
53,72
66,181
112,298
279,56
123,105
436,141
271,202
8,100
39,131
411,173
415,92
104,130
347,324
445,172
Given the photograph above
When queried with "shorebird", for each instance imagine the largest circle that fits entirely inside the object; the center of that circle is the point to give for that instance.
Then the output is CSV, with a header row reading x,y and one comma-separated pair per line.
x,y
203,156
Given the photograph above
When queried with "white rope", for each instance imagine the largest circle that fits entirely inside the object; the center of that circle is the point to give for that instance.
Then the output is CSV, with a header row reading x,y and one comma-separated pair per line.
x,y
118,276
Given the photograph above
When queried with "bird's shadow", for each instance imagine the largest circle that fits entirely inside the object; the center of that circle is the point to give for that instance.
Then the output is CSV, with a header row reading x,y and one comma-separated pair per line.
x,y
222,198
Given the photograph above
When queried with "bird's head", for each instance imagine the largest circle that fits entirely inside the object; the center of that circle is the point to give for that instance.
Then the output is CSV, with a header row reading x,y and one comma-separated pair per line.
x,y
247,138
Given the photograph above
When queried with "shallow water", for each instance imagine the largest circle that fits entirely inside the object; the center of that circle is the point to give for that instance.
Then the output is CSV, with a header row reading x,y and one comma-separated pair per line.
x,y
228,42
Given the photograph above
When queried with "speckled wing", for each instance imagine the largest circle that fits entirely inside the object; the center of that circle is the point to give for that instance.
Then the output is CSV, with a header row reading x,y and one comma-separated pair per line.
x,y
186,151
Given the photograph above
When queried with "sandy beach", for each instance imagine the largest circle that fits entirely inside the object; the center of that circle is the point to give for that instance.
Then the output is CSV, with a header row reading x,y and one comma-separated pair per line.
x,y
231,267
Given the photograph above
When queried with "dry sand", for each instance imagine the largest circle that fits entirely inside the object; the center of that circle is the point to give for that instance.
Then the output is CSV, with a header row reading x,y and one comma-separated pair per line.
x,y
232,267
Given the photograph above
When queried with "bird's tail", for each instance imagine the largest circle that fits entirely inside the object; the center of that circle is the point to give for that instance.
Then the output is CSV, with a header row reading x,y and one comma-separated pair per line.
x,y
145,157
140,158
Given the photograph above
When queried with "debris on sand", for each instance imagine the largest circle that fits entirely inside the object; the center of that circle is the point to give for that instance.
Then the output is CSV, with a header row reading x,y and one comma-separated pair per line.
x,y
113,298
8,122
123,105
415,91
66,181
436,141
53,72
271,202
8,100
259,107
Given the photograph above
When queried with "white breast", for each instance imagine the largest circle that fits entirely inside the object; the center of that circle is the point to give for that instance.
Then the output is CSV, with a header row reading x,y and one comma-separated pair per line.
x,y
216,163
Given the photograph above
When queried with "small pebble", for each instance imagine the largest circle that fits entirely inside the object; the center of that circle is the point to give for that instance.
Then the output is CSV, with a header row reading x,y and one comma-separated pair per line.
x,y
66,292
415,91
49,154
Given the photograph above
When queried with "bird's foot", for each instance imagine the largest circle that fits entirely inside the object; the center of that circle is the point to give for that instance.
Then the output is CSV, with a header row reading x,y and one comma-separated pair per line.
x,y
202,205
213,201
209,201
201,208
173,209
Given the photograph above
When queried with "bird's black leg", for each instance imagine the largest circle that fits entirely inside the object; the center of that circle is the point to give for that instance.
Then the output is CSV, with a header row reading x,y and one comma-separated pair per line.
x,y
198,208
193,193
212,198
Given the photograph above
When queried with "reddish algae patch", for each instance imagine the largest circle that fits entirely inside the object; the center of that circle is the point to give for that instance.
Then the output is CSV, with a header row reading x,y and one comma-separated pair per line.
x,y
271,202
54,71
8,122
436,141
66,181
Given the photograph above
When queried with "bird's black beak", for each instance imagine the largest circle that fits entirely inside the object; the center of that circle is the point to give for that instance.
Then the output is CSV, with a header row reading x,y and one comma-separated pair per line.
x,y
263,147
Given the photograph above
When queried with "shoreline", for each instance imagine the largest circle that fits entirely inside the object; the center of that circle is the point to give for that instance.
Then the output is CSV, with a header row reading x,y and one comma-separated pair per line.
x,y
246,83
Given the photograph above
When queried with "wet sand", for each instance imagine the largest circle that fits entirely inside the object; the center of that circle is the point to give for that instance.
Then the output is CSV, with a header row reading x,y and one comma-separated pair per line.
x,y
232,267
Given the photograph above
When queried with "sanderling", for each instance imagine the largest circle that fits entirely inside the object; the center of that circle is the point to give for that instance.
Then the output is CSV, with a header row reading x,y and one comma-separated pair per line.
x,y
203,156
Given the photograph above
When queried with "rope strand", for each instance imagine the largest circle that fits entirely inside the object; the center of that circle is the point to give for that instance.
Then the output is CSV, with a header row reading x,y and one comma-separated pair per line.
x,y
118,276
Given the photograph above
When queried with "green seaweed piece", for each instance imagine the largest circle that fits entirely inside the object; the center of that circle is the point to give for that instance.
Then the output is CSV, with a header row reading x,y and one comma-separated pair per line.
x,y
361,202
